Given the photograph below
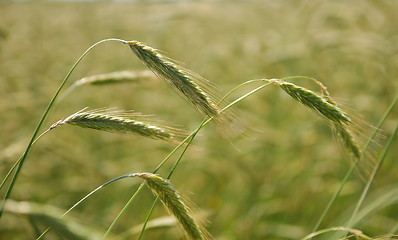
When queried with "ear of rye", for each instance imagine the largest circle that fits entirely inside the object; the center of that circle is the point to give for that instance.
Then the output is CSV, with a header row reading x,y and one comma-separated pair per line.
x,y
114,78
314,101
172,201
328,108
119,122
176,76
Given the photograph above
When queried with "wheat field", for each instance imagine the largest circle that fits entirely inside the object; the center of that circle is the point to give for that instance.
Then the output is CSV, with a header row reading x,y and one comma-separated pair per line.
x,y
273,181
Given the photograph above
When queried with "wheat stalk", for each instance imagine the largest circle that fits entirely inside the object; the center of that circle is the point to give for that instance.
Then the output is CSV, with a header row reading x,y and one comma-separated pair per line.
x,y
117,121
171,199
178,77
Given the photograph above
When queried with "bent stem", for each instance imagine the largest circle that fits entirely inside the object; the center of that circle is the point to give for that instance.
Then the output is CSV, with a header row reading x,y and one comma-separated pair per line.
x,y
50,105
130,201
147,218
192,136
353,166
19,160
84,198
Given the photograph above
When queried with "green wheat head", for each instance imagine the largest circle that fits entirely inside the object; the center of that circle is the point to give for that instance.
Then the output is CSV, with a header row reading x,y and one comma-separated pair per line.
x,y
114,78
122,122
314,101
171,199
181,79
328,108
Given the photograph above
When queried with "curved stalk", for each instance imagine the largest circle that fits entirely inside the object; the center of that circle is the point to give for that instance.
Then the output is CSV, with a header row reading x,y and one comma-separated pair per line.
x,y
50,105
19,160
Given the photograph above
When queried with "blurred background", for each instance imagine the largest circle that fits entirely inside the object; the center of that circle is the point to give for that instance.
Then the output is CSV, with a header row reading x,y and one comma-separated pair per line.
x,y
273,183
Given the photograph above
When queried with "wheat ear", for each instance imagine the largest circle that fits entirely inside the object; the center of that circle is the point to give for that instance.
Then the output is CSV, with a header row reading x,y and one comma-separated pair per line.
x,y
344,132
178,77
171,199
114,77
110,78
116,121
327,107
314,101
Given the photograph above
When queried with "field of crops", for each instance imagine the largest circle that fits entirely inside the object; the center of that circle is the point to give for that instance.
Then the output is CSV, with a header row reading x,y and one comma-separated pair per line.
x,y
270,177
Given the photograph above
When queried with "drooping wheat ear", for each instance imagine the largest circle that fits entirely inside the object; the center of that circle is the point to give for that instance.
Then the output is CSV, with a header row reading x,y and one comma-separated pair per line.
x,y
344,132
327,107
314,101
114,77
169,196
116,121
178,77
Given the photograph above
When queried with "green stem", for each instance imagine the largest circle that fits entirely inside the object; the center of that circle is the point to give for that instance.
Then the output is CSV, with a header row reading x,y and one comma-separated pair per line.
x,y
25,154
353,166
187,139
141,187
9,172
372,176
147,218
124,209
335,196
205,121
172,152
192,136
19,160
238,87
185,149
85,197
243,97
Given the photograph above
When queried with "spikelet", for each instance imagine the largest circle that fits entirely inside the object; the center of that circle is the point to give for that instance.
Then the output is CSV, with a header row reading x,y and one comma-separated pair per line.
x,y
114,77
348,140
123,122
171,199
176,76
